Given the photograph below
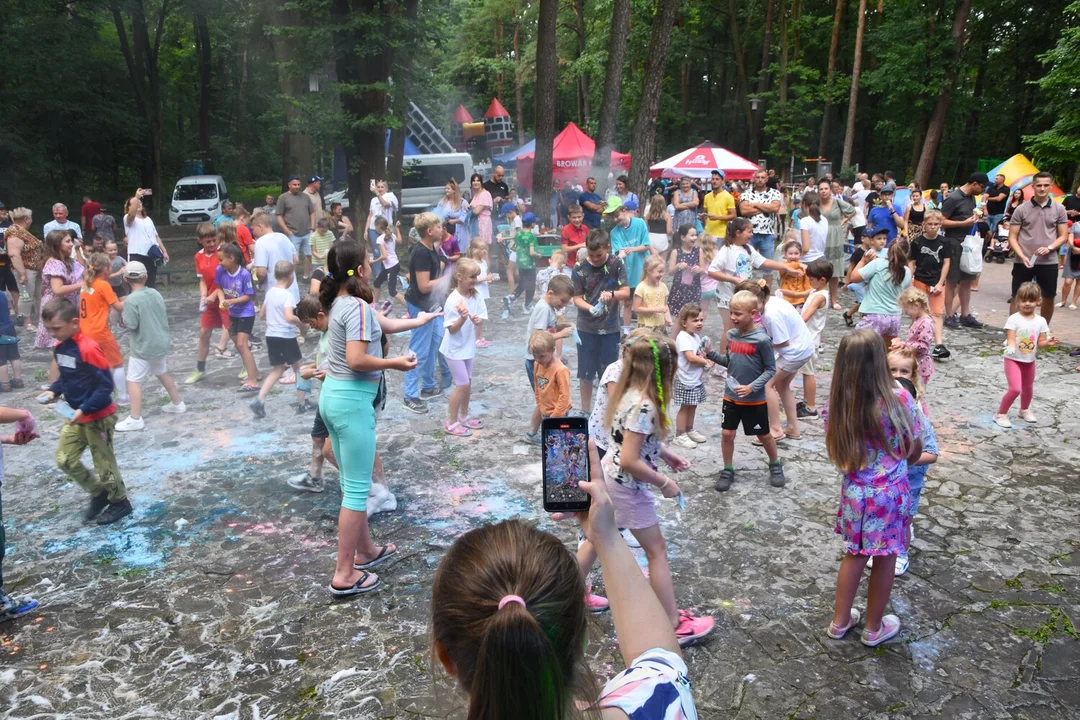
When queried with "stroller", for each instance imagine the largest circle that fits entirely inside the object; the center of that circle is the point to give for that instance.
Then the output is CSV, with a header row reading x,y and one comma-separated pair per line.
x,y
997,250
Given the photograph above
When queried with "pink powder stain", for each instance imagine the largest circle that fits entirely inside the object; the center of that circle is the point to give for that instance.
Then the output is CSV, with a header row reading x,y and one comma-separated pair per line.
x,y
457,493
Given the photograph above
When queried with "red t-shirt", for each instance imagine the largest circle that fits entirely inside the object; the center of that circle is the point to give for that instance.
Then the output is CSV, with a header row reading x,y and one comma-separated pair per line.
x,y
89,210
246,242
573,236
205,267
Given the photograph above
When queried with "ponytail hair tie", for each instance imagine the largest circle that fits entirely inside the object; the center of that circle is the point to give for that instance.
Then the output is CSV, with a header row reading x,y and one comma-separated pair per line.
x,y
350,273
656,369
511,599
329,276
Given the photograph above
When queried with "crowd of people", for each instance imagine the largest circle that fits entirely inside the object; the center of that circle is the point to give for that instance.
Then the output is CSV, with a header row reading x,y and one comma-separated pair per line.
x,y
642,279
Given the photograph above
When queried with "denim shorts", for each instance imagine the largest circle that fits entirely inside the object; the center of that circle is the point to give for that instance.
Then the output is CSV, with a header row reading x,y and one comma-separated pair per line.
x,y
302,244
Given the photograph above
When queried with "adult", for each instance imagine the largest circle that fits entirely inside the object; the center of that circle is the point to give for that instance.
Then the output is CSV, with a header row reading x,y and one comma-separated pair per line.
x,y
890,181
104,226
454,211
89,209
760,205
296,220
958,216
60,222
497,187
1072,206
509,598
481,206
838,213
686,202
630,240
719,207
567,197
425,272
592,204
340,224
914,213
61,276
314,194
142,237
27,255
773,181
8,277
624,193
1037,230
997,197
269,206
225,216
1015,201
943,191
884,215
270,248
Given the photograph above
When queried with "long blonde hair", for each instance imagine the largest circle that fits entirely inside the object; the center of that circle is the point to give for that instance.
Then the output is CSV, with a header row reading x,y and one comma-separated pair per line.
x,y
463,268
649,363
657,208
863,405
707,243
476,246
97,266
455,192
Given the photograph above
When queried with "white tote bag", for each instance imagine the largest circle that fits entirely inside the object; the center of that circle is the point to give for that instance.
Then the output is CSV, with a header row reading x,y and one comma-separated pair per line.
x,y
971,259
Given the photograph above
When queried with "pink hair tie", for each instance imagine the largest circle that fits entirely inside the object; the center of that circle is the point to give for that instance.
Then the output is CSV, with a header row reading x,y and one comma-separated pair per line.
x,y
511,599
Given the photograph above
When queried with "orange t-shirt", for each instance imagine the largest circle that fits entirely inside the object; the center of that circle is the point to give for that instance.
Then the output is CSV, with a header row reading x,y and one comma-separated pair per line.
x,y
791,283
94,303
552,388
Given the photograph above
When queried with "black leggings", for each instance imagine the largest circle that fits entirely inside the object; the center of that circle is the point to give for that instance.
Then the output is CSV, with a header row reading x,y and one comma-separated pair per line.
x,y
390,277
526,284
151,268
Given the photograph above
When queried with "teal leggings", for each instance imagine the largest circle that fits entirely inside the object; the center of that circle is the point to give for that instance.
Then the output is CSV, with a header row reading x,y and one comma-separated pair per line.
x,y
347,408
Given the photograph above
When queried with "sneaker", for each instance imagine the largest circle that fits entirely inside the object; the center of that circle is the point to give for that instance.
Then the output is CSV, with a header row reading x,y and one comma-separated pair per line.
x,y
696,436
803,411
727,476
952,322
115,511
415,405
380,500
258,407
596,604
902,563
1027,416
508,304
969,321
304,407
629,538
533,438
194,377
97,504
306,484
1002,421
526,310
178,409
838,633
130,424
890,628
427,394
940,352
692,628
776,475
684,441
18,384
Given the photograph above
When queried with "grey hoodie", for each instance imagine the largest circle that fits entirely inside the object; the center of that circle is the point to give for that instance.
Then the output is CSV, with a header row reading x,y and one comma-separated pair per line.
x,y
749,361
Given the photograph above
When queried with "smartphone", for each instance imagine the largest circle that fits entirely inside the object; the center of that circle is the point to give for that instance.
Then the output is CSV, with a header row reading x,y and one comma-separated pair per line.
x,y
565,459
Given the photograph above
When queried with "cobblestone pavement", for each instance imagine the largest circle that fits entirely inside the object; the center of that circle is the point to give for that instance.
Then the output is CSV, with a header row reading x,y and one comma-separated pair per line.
x,y
210,601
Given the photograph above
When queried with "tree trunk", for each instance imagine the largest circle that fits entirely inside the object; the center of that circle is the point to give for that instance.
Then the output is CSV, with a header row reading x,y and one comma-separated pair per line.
x,y
584,111
763,79
823,140
297,148
643,140
609,104
546,87
518,104
853,98
395,158
782,90
202,49
743,85
936,127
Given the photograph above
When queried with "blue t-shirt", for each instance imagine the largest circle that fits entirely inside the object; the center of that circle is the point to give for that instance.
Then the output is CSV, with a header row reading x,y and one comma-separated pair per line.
x,y
882,294
633,236
881,217
7,327
592,218
917,473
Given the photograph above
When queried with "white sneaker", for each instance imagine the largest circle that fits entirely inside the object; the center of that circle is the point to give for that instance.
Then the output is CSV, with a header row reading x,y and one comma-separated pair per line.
x,y
125,400
629,539
380,500
1002,421
902,563
178,409
696,436
130,424
1027,416
684,441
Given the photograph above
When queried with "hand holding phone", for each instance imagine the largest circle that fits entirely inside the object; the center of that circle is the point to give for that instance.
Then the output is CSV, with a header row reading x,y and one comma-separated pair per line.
x,y
564,444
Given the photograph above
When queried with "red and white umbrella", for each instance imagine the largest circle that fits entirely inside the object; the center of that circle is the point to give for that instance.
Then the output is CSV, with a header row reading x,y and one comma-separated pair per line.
x,y
700,161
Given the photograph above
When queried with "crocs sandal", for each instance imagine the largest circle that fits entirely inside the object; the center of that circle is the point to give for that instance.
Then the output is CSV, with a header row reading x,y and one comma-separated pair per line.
x,y
385,553
457,429
838,633
890,628
848,320
357,588
472,423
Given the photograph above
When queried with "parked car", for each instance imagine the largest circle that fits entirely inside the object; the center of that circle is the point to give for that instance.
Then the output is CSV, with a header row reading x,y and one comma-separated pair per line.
x,y
196,199
423,180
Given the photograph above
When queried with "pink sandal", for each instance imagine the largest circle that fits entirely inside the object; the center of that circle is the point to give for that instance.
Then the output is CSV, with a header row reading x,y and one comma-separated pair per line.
x,y
457,429
838,633
472,423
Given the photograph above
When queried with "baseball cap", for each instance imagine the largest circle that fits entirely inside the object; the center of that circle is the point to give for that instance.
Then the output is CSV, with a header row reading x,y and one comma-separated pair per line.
x,y
879,231
292,177
528,219
886,191
506,208
134,269
613,203
314,179
631,205
719,172
979,178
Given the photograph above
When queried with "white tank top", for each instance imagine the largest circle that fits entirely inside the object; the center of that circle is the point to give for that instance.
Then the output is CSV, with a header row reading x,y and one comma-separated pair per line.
x,y
816,323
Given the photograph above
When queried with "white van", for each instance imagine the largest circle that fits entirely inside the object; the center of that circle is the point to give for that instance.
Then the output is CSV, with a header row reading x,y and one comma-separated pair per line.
x,y
196,199
423,181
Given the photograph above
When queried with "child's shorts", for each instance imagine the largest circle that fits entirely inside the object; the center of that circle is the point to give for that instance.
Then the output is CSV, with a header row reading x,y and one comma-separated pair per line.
x,y
139,369
461,371
214,317
9,353
791,365
810,366
754,418
634,505
707,295
916,479
239,325
881,324
318,428
282,351
689,395
936,301
530,366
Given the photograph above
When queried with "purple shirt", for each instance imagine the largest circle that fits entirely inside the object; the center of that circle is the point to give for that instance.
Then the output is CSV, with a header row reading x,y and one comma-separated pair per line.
x,y
234,286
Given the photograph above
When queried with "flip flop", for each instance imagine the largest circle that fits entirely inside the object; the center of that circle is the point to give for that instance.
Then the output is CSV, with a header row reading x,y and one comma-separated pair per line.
x,y
224,354
848,320
385,553
785,436
357,588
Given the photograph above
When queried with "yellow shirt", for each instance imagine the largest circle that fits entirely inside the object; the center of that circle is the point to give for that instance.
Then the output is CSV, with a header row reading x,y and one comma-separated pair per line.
x,y
718,204
652,297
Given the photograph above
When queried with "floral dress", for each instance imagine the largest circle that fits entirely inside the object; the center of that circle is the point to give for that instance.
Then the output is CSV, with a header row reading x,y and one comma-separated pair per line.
x,y
875,501
55,268
685,285
920,338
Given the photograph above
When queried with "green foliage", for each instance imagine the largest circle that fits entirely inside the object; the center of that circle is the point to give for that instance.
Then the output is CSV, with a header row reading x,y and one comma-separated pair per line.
x,y
1060,143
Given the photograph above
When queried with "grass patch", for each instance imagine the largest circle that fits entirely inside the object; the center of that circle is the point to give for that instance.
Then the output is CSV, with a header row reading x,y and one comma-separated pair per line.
x,y
132,572
1058,622
1014,584
1052,588
41,375
103,560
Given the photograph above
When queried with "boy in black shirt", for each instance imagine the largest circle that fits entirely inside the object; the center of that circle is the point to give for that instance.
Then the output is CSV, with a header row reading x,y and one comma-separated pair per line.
x,y
930,264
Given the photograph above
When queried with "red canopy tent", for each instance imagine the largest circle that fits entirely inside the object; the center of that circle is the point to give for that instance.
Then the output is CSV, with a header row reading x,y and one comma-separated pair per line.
x,y
571,159
700,161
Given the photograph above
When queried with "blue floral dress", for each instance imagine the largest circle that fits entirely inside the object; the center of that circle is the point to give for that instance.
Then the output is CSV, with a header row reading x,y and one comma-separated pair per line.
x,y
875,501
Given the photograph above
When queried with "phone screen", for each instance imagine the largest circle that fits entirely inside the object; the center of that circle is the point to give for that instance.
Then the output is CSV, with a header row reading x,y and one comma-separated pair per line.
x,y
565,463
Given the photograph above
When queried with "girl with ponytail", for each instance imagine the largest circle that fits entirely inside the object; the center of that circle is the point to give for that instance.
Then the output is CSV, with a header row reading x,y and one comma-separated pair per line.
x,y
885,280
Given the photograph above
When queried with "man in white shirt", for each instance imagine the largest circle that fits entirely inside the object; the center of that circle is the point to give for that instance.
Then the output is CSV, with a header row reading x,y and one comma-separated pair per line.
x,y
60,222
141,236
270,247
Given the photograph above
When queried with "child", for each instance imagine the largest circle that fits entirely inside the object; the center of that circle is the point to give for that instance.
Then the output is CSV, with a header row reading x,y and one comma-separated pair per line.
x,y
310,312
25,431
651,296
814,314
234,293
920,337
281,345
465,309
875,243
545,316
751,364
689,385
449,247
687,270
556,266
707,243
794,288
148,323
573,235
387,243
9,350
872,431
885,279
552,387
524,244
813,229
636,422
478,253
241,219
1025,332
321,240
929,263
116,269
902,366
87,386
512,215
211,315
96,298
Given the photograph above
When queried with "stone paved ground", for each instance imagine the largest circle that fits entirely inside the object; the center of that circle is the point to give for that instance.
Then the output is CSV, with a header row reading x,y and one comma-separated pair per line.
x,y
210,601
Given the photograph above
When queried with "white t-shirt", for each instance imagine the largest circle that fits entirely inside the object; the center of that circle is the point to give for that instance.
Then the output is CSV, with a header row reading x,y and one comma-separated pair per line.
x,y
819,230
817,321
269,250
688,374
737,260
462,344
599,409
277,299
482,288
378,210
1027,336
141,235
389,241
784,325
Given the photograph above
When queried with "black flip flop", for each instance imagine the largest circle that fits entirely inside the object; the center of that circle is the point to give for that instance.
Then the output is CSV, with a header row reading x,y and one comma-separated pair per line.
x,y
357,588
384,554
